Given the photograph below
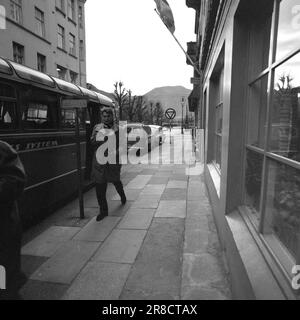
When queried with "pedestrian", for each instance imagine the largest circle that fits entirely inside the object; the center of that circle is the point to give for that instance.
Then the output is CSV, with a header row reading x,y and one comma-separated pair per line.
x,y
105,172
12,181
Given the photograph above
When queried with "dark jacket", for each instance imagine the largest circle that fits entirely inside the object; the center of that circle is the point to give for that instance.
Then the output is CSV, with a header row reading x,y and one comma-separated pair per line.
x,y
12,181
105,172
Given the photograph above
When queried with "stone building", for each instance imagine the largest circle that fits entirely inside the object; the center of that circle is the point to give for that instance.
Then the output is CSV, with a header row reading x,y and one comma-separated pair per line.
x,y
46,35
247,98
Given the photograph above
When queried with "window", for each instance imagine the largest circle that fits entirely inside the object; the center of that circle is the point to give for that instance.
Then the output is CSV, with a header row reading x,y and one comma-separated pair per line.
x,y
216,112
73,77
18,53
61,72
81,50
8,115
71,9
61,37
39,22
272,173
60,4
38,116
80,17
72,45
16,10
41,63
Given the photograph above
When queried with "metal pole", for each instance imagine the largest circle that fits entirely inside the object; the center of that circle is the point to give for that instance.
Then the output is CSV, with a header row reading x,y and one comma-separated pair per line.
x,y
182,118
170,131
189,58
79,173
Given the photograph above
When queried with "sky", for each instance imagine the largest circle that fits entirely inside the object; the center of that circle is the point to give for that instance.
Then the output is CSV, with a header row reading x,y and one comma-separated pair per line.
x,y
126,41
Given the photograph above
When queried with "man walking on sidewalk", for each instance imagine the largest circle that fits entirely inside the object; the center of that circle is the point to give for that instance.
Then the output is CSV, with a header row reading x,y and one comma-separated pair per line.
x,y
103,171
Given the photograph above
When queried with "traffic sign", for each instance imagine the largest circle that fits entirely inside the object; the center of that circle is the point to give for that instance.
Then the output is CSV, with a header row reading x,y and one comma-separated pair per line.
x,y
170,113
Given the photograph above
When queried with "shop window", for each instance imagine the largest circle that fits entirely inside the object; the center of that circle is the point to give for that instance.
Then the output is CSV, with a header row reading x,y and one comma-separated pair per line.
x,y
285,122
283,206
216,113
257,116
272,162
288,28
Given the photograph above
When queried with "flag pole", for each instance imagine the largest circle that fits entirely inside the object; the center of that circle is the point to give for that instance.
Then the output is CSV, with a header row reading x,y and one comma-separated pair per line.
x,y
188,57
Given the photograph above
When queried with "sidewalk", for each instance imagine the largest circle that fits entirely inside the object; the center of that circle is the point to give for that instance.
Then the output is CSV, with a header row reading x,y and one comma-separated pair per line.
x,y
162,244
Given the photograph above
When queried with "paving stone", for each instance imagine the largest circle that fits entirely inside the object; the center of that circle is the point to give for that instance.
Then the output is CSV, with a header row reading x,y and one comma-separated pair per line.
x,y
29,264
198,209
38,290
177,184
97,231
158,180
203,269
99,281
139,182
180,177
153,189
136,221
121,246
66,263
47,243
156,274
117,209
174,194
146,203
171,209
131,194
202,293
140,211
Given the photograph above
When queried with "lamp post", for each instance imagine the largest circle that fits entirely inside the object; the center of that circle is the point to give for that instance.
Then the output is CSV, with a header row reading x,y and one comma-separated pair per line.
x,y
182,105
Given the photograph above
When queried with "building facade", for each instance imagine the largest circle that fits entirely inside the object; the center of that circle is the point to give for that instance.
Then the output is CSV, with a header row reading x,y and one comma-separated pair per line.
x,y
46,35
248,102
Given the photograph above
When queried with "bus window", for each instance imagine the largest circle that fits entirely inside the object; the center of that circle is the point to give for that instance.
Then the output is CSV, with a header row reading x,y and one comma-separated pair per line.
x,y
7,115
68,119
38,116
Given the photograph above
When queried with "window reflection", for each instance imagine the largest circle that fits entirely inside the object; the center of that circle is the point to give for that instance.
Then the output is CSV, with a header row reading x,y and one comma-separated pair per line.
x,y
253,179
288,27
257,114
285,126
283,205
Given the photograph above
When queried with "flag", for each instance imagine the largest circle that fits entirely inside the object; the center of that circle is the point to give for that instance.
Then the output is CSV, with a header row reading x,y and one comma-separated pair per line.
x,y
166,14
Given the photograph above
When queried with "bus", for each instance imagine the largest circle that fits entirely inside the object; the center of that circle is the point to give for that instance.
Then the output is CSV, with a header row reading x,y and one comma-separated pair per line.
x,y
33,122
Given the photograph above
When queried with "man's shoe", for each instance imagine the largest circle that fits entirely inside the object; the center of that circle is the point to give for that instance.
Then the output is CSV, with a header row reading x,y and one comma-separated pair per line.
x,y
101,216
123,200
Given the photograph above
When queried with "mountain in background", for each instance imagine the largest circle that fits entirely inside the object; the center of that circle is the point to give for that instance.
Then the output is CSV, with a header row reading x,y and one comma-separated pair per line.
x,y
169,97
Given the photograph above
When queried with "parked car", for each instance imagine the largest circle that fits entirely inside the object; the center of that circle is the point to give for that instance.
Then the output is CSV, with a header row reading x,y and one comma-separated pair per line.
x,y
139,129
159,136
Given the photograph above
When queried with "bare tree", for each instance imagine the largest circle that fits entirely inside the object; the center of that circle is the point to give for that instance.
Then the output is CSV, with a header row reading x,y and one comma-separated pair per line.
x,y
120,96
140,113
158,114
131,105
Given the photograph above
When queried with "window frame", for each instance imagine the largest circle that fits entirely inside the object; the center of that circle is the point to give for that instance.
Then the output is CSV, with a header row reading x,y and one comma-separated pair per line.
x,y
18,46
270,239
44,62
72,44
61,33
16,11
39,22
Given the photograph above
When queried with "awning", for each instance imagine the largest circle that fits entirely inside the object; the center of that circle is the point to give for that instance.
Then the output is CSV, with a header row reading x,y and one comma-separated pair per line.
x,y
194,99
